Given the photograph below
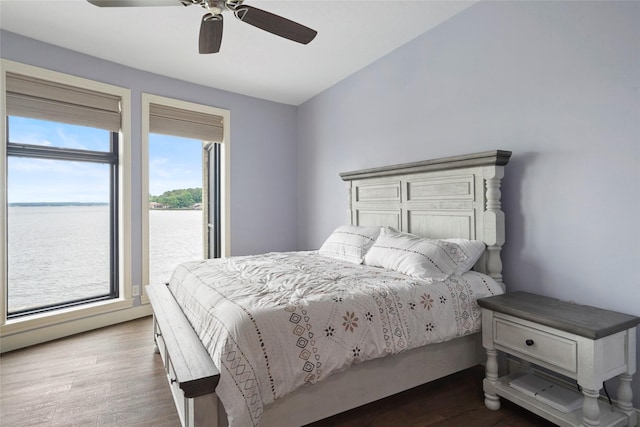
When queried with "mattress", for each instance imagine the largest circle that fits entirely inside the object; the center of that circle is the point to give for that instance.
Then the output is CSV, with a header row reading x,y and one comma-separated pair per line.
x,y
275,322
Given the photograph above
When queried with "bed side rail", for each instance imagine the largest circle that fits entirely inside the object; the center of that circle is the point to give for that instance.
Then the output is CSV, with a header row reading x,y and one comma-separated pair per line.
x,y
195,372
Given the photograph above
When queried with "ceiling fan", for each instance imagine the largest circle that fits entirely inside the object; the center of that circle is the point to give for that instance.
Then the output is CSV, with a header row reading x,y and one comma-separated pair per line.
x,y
211,25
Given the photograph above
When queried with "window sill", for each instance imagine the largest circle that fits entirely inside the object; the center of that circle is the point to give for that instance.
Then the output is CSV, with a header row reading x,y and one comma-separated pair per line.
x,y
31,330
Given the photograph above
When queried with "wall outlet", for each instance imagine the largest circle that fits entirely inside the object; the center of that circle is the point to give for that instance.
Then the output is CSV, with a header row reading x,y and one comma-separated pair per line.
x,y
135,290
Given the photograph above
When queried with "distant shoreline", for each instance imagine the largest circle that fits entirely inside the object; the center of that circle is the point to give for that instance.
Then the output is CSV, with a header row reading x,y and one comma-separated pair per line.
x,y
74,204
56,204
174,209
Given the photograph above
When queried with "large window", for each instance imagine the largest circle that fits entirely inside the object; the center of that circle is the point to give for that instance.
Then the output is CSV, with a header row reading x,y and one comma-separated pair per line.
x,y
186,184
63,201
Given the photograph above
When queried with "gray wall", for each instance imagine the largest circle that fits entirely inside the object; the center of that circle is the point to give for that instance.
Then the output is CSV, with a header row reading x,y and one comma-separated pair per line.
x,y
558,84
263,145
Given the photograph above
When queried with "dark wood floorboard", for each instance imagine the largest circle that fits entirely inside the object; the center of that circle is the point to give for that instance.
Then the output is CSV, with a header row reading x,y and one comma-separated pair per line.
x,y
107,377
111,377
453,401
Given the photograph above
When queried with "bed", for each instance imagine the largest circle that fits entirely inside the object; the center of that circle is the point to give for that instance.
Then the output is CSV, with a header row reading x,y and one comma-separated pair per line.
x,y
444,200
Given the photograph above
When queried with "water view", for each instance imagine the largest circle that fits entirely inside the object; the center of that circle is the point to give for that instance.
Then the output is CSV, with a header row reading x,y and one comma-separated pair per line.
x,y
175,236
60,253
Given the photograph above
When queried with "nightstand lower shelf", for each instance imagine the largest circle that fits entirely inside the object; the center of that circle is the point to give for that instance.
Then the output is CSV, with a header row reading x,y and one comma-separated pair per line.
x,y
607,417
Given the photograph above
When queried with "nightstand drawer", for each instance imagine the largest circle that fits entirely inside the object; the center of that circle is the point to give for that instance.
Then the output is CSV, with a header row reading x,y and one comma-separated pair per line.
x,y
536,345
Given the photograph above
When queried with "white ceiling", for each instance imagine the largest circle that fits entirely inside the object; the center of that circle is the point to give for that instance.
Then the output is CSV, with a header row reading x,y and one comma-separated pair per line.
x,y
164,40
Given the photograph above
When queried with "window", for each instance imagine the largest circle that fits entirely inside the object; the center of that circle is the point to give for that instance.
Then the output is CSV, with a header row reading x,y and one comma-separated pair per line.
x,y
186,186
63,180
176,210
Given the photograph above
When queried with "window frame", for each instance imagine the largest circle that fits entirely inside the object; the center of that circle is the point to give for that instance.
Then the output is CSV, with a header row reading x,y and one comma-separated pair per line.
x,y
110,158
18,329
224,184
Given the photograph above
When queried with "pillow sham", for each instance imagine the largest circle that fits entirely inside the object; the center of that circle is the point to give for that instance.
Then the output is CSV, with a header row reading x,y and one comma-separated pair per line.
x,y
349,243
432,260
473,249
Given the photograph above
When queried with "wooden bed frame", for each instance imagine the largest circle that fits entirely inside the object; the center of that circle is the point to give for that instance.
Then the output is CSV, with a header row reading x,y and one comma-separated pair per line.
x,y
444,198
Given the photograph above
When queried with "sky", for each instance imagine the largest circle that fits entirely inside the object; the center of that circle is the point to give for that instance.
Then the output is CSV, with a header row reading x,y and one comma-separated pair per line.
x,y
174,163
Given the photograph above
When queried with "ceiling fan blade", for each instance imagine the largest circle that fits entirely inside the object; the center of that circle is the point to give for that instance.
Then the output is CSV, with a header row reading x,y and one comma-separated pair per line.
x,y
275,24
134,3
210,34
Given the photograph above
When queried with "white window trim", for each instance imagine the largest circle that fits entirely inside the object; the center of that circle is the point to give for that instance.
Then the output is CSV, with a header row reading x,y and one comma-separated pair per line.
x,y
30,330
225,186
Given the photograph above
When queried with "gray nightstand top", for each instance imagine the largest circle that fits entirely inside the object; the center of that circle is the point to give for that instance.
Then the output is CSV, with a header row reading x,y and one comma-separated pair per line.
x,y
583,320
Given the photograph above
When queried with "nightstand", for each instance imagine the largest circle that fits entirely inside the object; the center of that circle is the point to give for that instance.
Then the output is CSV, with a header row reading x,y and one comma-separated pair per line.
x,y
584,343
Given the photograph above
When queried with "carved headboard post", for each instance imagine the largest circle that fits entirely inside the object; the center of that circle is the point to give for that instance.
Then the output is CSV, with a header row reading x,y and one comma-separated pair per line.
x,y
494,216
350,219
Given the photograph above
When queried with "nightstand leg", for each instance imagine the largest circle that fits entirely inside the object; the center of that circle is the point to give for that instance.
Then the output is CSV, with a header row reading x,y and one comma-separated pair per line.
x,y
625,398
590,408
491,399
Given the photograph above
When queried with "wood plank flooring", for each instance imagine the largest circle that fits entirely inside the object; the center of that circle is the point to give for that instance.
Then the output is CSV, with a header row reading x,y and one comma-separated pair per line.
x,y
111,377
107,377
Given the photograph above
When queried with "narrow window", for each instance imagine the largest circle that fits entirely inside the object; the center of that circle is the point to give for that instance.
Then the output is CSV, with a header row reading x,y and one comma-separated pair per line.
x,y
176,232
185,190
62,195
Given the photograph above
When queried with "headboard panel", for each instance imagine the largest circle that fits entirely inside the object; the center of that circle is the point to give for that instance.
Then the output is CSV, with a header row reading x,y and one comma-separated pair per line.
x,y
452,197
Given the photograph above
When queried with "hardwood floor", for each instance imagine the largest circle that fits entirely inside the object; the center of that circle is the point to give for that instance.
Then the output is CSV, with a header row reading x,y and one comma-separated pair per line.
x,y
453,401
107,377
111,377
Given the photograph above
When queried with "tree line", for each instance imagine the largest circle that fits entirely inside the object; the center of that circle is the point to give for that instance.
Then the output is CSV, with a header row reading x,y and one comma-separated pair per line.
x,y
178,199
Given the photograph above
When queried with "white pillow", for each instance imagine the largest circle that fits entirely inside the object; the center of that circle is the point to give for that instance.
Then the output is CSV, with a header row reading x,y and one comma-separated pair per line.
x,y
473,249
433,260
350,243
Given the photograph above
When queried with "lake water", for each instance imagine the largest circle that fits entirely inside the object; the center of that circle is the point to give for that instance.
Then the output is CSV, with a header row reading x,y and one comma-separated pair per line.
x,y
174,237
60,253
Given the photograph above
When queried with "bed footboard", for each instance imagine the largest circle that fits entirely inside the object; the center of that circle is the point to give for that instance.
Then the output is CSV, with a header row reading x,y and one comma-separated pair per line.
x,y
190,371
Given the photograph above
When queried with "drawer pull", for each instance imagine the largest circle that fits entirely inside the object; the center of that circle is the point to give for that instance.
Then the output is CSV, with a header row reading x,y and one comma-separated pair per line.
x,y
529,342
158,334
173,380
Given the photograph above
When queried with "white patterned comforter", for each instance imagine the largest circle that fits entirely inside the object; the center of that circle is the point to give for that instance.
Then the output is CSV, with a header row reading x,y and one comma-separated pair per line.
x,y
279,321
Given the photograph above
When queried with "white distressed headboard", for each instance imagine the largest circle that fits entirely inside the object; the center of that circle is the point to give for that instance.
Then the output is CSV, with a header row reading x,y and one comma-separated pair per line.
x,y
452,197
